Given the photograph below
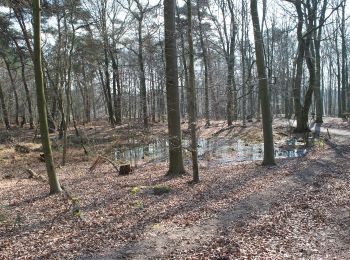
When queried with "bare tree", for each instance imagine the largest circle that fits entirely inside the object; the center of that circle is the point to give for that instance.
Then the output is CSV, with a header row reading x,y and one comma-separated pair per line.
x,y
269,154
192,95
176,166
39,80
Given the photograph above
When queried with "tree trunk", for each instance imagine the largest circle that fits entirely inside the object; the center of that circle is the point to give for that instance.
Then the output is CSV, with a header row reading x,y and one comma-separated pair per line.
x,y
192,96
344,65
143,90
44,132
176,166
317,46
4,109
231,88
116,90
14,91
269,154
24,80
206,66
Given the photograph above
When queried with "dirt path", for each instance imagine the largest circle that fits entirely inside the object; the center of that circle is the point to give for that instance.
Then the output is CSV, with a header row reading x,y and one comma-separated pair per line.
x,y
299,215
332,131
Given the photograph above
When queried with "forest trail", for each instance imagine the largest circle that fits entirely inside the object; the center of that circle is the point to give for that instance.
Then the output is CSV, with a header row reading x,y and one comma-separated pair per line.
x,y
332,131
314,225
333,128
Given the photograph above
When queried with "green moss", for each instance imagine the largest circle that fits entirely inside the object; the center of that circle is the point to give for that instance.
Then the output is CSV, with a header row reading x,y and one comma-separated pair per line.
x,y
135,190
156,226
138,204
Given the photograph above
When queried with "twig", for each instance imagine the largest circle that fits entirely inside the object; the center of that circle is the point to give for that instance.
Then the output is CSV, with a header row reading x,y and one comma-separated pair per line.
x,y
224,129
100,159
33,175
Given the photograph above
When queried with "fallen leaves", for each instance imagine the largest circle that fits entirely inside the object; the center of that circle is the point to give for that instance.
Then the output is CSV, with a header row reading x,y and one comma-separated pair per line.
x,y
298,209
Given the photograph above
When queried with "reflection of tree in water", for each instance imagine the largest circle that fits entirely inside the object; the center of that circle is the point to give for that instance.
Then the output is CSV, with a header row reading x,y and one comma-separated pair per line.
x,y
215,150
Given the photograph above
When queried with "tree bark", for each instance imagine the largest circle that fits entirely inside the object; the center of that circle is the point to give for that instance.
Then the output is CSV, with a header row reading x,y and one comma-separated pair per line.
x,y
344,64
269,154
14,91
50,168
25,85
192,96
206,66
116,90
4,109
176,166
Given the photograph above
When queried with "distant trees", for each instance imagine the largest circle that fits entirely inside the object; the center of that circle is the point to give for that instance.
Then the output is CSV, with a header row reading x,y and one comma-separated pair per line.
x,y
110,59
311,16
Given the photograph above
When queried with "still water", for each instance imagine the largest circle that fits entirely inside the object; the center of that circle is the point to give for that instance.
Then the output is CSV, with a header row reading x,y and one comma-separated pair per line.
x,y
217,150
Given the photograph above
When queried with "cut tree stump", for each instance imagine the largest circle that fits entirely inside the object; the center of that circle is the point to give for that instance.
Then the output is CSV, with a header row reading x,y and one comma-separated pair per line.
x,y
125,169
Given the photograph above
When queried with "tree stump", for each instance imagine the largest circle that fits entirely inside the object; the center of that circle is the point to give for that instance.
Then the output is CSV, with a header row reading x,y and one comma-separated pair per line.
x,y
125,169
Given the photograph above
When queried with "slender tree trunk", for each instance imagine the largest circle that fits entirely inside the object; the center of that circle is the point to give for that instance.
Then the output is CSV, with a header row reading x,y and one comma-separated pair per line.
x,y
344,65
317,46
143,90
153,94
192,96
68,92
14,89
185,67
25,85
231,91
330,87
269,154
243,61
339,71
176,166
44,131
206,66
116,91
4,109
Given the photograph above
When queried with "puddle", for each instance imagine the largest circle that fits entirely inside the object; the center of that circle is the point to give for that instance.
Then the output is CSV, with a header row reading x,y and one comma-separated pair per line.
x,y
217,150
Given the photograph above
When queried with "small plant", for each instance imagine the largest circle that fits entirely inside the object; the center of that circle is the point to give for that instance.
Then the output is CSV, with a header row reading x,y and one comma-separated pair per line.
x,y
160,190
320,142
156,226
76,207
138,204
135,190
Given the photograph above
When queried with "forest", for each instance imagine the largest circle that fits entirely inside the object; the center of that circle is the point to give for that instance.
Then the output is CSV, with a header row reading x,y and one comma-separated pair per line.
x,y
164,129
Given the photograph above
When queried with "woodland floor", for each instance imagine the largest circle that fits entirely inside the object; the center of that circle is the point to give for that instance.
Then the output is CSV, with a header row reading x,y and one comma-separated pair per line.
x,y
297,209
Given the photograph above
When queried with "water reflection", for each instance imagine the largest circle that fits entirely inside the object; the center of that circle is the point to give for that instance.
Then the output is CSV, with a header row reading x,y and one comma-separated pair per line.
x,y
217,150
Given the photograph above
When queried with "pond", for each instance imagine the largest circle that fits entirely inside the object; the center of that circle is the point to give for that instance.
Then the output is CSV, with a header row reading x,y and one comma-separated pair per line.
x,y
216,150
